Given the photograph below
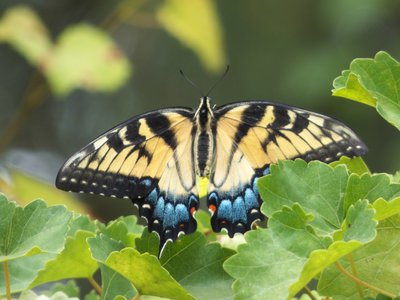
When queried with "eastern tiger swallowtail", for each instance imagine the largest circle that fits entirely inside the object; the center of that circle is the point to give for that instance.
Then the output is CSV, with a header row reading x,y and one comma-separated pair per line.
x,y
157,158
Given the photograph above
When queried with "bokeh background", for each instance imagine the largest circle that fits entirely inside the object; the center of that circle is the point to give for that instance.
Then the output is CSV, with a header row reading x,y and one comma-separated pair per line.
x,y
72,69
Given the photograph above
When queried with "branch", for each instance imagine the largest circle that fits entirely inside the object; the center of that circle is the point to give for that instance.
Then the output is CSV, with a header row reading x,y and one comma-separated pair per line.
x,y
363,283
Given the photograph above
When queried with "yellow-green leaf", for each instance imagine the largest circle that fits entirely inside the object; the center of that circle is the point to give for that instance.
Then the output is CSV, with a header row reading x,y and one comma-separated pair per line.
x,y
196,25
86,57
23,30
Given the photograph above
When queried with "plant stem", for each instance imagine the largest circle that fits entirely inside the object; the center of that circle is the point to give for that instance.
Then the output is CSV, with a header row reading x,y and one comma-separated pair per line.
x,y
7,280
122,12
363,283
309,293
34,96
96,286
136,297
354,271
143,20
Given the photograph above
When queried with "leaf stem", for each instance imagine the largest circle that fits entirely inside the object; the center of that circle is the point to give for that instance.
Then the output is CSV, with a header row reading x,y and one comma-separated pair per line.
x,y
96,286
309,293
363,283
136,297
354,271
7,280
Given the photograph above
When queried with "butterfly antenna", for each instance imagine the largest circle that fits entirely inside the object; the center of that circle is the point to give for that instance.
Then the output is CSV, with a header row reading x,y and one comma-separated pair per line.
x,y
191,82
218,81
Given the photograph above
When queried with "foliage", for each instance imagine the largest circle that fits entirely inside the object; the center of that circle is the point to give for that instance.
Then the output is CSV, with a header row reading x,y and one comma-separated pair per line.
x,y
86,57
374,82
334,224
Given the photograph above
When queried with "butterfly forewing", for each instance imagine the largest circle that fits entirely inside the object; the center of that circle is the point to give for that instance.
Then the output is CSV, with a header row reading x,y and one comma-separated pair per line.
x,y
252,135
148,159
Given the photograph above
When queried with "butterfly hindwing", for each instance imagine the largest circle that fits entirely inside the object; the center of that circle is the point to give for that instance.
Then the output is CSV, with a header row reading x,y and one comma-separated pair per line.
x,y
249,136
148,159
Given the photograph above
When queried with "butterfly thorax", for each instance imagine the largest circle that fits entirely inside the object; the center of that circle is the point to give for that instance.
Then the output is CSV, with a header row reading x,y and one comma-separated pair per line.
x,y
203,140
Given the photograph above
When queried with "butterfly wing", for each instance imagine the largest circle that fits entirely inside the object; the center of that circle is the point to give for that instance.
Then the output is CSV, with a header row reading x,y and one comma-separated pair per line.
x,y
249,136
148,159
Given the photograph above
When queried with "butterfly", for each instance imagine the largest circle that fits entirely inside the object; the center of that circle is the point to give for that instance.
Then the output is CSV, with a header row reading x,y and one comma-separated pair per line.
x,y
157,158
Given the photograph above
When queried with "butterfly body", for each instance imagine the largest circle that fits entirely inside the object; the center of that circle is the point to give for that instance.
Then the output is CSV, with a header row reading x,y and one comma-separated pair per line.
x,y
155,159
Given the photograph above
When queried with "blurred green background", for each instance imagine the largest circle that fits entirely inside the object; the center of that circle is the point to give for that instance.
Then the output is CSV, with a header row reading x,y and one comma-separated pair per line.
x,y
70,70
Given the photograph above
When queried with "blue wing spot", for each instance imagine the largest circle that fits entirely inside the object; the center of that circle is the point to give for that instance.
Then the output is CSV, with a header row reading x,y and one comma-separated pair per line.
x,y
169,216
181,213
213,197
239,210
250,199
146,182
152,197
266,171
225,210
255,187
193,201
159,209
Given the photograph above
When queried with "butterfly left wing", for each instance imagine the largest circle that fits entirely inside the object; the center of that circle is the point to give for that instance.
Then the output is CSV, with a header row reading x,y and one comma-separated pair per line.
x,y
148,159
249,136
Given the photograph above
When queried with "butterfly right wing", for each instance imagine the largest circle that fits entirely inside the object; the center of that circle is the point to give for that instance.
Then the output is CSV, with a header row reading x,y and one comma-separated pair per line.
x,y
148,159
252,135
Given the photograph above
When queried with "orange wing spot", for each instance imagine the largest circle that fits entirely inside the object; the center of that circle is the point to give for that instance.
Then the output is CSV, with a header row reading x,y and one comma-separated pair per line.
x,y
212,208
193,211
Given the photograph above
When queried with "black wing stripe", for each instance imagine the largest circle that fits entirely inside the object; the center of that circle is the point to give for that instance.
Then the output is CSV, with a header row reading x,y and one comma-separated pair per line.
x,y
250,117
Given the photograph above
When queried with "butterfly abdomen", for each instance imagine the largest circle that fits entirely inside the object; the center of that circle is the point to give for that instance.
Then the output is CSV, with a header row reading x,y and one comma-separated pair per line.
x,y
203,150
204,141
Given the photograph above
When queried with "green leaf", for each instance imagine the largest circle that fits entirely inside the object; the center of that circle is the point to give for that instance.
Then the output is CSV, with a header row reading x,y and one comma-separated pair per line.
x,y
290,228
359,223
354,165
93,296
24,31
79,222
75,261
386,209
31,230
193,23
377,263
370,187
146,274
321,259
204,276
263,269
359,228
70,288
113,283
348,86
374,82
86,57
203,219
149,242
124,229
23,271
317,187
30,295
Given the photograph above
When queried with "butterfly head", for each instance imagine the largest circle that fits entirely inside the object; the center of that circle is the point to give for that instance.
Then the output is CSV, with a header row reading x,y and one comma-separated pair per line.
x,y
204,113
